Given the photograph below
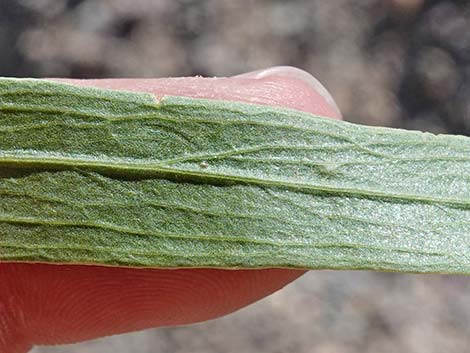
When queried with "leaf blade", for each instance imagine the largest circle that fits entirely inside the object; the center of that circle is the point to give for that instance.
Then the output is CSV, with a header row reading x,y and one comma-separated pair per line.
x,y
115,178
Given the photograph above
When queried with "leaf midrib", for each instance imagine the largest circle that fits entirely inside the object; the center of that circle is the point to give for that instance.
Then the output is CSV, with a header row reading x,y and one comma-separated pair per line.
x,y
163,172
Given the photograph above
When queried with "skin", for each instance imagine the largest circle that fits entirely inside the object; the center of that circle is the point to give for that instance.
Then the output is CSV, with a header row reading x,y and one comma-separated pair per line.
x,y
57,304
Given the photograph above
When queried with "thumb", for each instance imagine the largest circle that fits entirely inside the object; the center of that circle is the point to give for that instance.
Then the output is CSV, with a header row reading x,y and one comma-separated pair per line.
x,y
56,304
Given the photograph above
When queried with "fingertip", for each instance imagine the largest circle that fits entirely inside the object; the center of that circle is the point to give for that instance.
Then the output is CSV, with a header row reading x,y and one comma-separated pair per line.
x,y
70,303
137,299
281,86
309,94
12,338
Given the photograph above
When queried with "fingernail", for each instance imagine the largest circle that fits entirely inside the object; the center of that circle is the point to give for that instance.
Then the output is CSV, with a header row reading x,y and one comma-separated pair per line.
x,y
290,71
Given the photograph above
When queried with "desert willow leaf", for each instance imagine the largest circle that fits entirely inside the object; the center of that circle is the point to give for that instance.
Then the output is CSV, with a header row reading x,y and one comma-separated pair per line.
x,y
114,178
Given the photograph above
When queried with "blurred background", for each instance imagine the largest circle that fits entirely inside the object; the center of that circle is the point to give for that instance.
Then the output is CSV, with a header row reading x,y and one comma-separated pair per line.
x,y
400,63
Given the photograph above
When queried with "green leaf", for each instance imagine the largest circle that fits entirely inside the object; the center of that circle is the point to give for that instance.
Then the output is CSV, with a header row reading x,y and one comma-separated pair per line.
x,y
115,178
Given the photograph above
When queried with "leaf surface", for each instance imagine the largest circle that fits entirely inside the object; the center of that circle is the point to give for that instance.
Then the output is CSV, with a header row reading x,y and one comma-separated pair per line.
x,y
115,178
